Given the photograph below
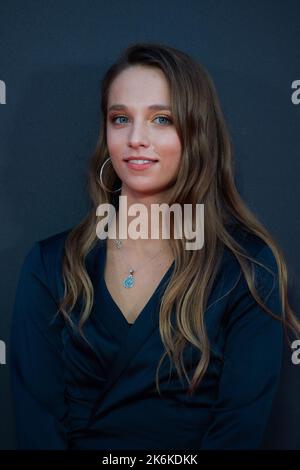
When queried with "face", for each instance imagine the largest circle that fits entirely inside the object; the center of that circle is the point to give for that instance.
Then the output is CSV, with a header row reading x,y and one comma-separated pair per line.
x,y
135,128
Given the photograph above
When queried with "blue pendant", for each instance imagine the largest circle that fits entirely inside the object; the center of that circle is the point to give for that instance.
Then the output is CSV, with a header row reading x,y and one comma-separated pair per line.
x,y
128,281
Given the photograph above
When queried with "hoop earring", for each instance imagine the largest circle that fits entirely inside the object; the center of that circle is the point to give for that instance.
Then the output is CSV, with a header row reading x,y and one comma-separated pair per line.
x,y
101,180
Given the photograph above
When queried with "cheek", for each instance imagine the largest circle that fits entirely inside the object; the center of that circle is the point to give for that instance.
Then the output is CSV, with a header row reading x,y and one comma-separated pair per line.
x,y
171,151
113,139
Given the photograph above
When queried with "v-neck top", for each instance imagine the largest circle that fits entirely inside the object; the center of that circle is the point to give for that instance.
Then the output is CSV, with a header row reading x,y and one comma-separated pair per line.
x,y
101,393
116,314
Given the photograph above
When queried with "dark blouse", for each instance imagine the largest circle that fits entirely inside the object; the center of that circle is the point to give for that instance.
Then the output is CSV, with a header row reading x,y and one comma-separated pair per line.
x,y
68,394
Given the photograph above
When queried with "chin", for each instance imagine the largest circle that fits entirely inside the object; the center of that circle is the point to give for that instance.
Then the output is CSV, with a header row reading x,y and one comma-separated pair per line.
x,y
144,189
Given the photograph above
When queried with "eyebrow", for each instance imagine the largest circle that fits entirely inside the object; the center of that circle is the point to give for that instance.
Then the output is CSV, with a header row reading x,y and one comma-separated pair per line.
x,y
152,106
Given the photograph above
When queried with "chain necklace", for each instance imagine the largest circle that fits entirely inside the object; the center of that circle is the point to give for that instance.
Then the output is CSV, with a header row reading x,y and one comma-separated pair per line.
x,y
129,280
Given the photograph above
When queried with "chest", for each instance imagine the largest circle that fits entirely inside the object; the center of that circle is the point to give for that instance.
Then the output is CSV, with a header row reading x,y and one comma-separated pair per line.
x,y
131,301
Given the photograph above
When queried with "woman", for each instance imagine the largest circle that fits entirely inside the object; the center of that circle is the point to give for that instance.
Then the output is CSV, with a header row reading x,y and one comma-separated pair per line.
x,y
141,343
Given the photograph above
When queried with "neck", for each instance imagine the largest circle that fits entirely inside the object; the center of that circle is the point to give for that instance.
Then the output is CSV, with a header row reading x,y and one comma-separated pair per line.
x,y
142,247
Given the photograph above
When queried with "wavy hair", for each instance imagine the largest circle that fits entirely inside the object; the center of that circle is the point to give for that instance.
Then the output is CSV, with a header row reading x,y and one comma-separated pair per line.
x,y
206,174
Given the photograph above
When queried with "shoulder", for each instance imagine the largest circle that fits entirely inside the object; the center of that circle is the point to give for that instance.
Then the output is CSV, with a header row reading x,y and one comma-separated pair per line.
x,y
263,266
52,247
35,325
252,245
263,262
43,260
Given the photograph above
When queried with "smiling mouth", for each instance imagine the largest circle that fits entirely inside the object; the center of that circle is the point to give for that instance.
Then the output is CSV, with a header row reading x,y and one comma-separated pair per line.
x,y
140,158
140,161
140,164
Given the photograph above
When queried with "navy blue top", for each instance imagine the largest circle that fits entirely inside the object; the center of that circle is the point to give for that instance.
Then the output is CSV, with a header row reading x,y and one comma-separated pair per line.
x,y
68,394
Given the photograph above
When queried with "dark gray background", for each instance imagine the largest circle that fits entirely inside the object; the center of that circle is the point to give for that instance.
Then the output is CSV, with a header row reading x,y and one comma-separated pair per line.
x,y
52,57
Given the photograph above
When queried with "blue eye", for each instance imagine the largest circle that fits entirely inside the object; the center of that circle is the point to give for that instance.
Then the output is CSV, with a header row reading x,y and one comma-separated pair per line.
x,y
117,117
114,119
164,117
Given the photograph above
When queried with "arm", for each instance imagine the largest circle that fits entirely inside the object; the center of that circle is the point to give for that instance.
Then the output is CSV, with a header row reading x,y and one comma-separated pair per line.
x,y
252,364
36,366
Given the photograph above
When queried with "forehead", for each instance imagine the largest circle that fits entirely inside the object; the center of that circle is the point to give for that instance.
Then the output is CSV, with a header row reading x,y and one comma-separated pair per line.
x,y
139,84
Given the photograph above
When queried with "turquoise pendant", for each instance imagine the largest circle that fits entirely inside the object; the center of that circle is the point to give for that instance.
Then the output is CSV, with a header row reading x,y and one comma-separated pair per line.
x,y
128,281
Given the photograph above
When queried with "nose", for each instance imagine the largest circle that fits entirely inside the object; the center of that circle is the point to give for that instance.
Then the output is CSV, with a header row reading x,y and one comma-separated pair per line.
x,y
138,135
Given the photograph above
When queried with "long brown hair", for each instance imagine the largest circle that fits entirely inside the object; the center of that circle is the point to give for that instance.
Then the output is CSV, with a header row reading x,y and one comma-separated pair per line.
x,y
206,174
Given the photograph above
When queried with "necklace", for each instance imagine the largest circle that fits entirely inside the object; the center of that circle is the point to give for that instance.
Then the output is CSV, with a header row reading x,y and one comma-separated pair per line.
x,y
129,280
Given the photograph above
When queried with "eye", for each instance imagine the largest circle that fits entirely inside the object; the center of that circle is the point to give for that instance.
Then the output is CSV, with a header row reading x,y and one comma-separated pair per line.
x,y
164,117
113,119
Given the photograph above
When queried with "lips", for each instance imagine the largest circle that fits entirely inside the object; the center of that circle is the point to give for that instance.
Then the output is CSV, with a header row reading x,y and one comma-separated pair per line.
x,y
140,164
141,158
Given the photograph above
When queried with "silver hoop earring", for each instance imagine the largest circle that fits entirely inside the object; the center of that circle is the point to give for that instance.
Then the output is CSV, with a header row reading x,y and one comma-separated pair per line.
x,y
101,180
